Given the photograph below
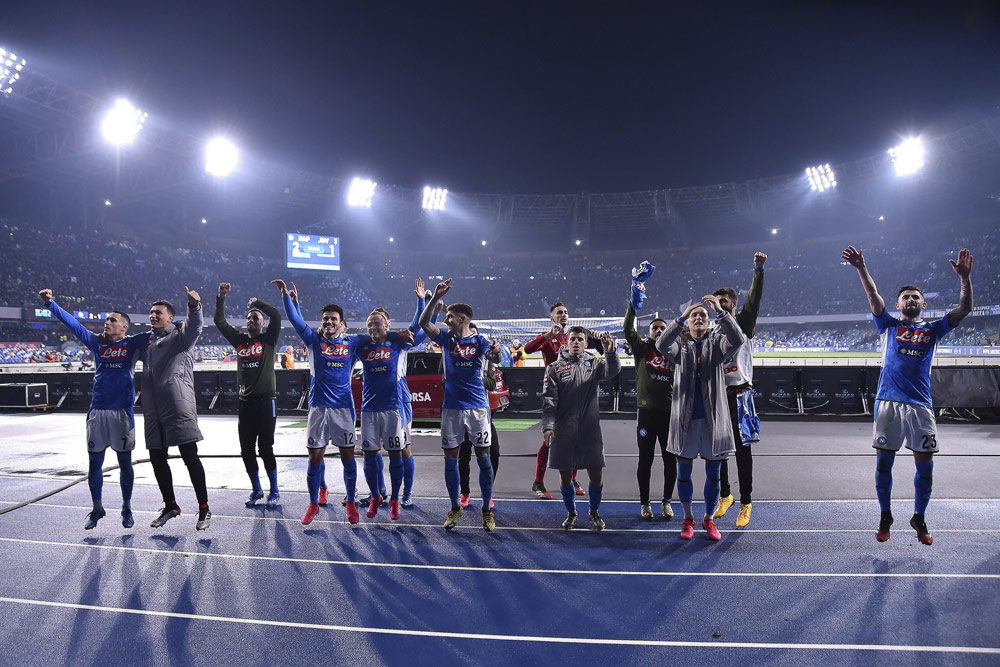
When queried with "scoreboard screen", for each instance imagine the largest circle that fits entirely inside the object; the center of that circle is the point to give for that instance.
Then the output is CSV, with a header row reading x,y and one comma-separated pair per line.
x,y
312,251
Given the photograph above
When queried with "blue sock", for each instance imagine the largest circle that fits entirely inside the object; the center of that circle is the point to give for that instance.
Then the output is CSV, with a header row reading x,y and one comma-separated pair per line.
x,y
396,468
409,468
351,478
126,477
569,497
451,480
713,475
883,478
95,477
272,477
922,485
595,495
485,479
254,481
312,482
322,474
381,474
373,472
685,487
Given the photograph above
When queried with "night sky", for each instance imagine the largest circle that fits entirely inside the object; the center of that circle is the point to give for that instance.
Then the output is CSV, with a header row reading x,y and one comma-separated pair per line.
x,y
532,97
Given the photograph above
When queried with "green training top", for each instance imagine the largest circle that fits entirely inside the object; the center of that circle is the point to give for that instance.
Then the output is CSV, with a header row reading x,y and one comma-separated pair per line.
x,y
654,373
254,354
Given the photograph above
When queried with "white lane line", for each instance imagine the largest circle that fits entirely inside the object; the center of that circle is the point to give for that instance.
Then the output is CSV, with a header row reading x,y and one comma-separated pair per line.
x,y
583,530
510,638
510,570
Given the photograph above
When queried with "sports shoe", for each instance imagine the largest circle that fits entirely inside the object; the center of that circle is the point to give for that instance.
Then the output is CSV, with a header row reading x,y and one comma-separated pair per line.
x,y
646,512
489,521
352,513
373,506
92,518
464,500
407,502
254,497
127,520
666,511
709,526
204,518
539,490
724,505
310,514
324,496
579,488
744,516
687,529
570,521
883,527
596,522
394,510
453,517
166,514
918,524
272,500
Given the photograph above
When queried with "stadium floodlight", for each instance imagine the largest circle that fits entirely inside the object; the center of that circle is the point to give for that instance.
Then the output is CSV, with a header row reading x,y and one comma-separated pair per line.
x,y
483,242
392,239
578,241
361,192
434,198
221,156
774,231
107,202
204,221
122,122
908,157
821,178
10,70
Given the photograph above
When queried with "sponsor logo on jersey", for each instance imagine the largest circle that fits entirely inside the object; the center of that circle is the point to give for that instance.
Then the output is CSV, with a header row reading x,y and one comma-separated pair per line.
x,y
911,352
657,362
731,369
251,351
913,336
334,350
381,354
114,352
465,351
881,440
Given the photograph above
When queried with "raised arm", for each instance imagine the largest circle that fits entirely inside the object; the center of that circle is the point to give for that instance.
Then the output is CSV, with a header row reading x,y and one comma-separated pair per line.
x,y
747,317
86,337
429,327
219,317
273,318
856,258
611,365
195,320
304,331
963,267
631,335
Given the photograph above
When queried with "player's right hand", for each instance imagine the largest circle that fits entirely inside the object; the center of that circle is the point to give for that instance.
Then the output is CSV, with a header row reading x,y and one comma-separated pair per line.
x,y
224,289
294,293
280,284
854,257
547,436
418,288
46,295
555,330
442,288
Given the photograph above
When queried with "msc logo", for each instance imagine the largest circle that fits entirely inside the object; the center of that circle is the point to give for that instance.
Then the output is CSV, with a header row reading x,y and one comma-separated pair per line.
x,y
420,397
114,351
913,336
381,354
328,350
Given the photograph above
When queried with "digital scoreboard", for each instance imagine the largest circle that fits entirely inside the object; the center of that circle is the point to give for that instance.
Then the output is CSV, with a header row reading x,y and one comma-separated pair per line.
x,y
312,251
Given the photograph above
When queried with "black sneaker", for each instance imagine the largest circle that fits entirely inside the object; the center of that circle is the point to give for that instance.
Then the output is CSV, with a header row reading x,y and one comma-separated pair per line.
x,y
166,514
570,521
539,490
918,524
883,527
204,518
93,518
596,522
127,520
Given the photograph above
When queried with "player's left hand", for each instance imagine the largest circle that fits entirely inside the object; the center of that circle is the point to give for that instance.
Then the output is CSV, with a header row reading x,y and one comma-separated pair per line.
x,y
293,292
438,308
758,259
418,288
607,342
193,298
405,336
251,302
442,288
712,302
963,267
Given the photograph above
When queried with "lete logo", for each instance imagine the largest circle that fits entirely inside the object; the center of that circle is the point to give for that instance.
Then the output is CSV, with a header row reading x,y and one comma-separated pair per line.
x,y
250,351
464,351
328,350
114,352
381,354
658,363
913,336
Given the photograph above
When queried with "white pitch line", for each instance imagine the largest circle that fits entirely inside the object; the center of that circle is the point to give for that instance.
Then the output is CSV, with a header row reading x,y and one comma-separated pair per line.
x,y
651,643
509,570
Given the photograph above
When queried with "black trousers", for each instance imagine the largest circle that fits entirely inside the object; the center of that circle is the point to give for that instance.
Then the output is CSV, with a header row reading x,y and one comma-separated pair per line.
x,y
256,427
744,458
465,459
650,426
165,480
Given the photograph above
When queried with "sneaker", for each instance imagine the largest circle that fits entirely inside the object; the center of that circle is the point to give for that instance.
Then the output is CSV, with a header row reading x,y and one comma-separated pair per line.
x,y
883,527
687,529
394,510
489,521
254,497
539,490
310,514
324,496
92,518
744,516
352,513
407,502
166,514
579,488
709,526
596,522
570,521
453,517
646,512
724,505
204,518
127,520
373,506
464,500
272,500
918,524
666,511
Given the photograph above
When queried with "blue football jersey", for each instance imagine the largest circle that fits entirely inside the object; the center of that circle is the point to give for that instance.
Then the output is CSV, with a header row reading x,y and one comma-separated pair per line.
x,y
464,361
384,369
907,352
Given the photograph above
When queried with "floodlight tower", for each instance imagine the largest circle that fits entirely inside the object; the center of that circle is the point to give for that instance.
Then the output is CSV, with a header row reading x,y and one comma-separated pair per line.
x,y
908,157
434,198
821,178
122,122
221,156
10,70
361,192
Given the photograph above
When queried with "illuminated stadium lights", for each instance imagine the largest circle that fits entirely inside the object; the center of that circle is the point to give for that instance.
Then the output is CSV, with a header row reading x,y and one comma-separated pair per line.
x,y
908,157
578,241
434,198
392,239
774,231
821,178
361,192
107,202
204,221
122,122
10,70
221,156
482,242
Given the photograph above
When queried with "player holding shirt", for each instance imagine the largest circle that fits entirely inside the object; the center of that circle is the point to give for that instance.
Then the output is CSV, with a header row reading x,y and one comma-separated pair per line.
x,y
466,407
904,413
110,421
331,405
258,413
